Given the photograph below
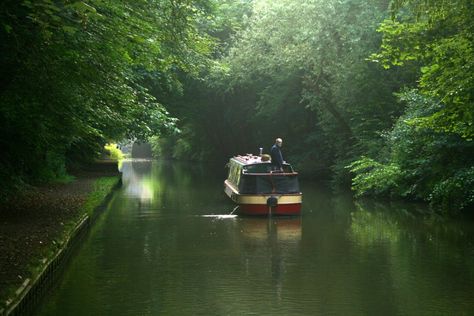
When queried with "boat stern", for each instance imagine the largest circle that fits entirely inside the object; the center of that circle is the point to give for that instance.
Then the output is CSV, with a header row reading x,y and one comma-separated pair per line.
x,y
265,204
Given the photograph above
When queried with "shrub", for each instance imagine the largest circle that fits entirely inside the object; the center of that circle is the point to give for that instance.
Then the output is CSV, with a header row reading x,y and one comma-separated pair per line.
x,y
372,177
456,192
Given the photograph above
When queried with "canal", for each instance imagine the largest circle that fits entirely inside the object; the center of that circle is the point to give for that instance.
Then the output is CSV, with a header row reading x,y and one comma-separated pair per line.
x,y
159,249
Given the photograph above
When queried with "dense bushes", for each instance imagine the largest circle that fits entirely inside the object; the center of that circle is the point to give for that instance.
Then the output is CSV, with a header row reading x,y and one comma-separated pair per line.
x,y
431,145
422,164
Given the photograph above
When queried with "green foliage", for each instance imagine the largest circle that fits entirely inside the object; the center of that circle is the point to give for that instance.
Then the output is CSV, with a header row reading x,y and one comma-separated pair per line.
x,y
456,192
53,168
431,143
423,164
427,155
237,74
372,177
114,152
156,148
438,36
305,71
296,69
74,74
101,188
229,18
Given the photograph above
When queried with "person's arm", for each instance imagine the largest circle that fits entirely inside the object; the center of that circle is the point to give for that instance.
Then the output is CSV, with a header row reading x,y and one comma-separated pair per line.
x,y
280,159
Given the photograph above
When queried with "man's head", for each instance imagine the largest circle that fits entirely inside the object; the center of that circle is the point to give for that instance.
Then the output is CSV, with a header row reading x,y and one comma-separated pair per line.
x,y
279,142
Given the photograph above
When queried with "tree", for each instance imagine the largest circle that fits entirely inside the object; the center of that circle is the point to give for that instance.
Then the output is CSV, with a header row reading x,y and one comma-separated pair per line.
x,y
305,63
422,164
438,35
430,149
75,75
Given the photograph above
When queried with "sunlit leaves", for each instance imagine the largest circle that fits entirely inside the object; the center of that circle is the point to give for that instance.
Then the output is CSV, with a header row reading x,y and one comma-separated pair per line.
x,y
372,177
438,36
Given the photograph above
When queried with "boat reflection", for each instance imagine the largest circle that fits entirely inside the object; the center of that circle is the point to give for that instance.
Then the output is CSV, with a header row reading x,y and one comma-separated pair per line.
x,y
281,229
272,243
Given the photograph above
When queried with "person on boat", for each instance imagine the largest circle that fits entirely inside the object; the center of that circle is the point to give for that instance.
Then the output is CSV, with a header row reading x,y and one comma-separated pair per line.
x,y
277,157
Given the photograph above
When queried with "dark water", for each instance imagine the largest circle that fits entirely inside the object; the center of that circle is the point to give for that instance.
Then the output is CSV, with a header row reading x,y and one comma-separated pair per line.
x,y
155,252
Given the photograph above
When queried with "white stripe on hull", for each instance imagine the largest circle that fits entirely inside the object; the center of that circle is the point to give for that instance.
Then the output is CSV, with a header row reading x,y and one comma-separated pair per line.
x,y
231,191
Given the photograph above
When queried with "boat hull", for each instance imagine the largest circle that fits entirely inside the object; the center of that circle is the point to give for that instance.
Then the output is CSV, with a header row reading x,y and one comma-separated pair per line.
x,y
265,204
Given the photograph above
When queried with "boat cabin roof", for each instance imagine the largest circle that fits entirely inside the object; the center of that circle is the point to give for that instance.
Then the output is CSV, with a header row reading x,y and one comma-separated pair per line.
x,y
248,159
254,164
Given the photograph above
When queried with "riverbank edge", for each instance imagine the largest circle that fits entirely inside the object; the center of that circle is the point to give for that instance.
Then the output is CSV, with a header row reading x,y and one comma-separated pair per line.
x,y
30,293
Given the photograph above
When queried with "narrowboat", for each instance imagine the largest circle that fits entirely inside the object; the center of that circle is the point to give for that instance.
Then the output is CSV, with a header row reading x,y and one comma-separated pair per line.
x,y
259,190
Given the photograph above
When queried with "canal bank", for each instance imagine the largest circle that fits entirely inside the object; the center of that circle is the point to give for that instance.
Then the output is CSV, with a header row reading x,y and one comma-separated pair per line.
x,y
38,229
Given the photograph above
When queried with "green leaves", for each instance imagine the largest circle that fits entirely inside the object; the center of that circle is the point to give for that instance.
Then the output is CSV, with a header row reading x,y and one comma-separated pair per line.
x,y
438,36
372,177
74,73
432,142
422,164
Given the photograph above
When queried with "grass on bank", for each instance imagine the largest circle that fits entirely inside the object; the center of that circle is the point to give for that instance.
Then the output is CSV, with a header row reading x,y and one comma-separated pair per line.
x,y
95,198
101,188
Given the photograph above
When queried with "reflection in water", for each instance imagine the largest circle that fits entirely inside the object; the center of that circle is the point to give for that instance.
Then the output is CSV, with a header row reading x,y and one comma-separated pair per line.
x,y
169,245
430,245
278,238
136,179
282,229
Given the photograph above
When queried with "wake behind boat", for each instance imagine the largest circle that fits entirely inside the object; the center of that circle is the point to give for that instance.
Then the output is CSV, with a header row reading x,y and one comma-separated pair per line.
x,y
258,190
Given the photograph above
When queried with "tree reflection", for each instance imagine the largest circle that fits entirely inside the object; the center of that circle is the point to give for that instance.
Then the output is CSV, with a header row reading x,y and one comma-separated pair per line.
x,y
412,247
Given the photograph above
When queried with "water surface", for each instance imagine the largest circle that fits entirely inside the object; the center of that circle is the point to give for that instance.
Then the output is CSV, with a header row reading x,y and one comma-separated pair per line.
x,y
162,248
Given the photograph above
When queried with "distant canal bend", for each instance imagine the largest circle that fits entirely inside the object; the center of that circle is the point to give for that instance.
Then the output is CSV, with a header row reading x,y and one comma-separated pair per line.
x,y
158,249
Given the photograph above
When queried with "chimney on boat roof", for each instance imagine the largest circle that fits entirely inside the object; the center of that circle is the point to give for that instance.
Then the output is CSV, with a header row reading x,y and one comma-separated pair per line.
x,y
261,151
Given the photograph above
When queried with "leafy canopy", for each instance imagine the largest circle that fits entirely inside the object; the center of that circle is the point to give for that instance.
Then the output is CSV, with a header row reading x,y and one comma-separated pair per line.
x,y
439,37
75,74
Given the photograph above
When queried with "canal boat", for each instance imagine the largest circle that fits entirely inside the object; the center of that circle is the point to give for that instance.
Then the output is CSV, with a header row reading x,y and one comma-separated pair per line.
x,y
259,190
